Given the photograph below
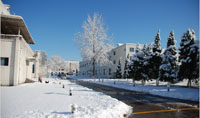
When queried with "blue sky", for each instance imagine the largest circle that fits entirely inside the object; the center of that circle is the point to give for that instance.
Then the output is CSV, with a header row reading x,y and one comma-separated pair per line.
x,y
53,23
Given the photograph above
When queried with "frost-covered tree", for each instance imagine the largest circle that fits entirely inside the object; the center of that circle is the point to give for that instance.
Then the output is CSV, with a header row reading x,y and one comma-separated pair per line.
x,y
149,53
94,42
119,70
126,68
137,63
189,57
55,63
156,59
156,46
144,64
168,68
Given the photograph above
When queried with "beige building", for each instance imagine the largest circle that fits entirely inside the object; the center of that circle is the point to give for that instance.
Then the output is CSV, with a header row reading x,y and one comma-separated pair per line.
x,y
120,53
68,67
72,66
15,53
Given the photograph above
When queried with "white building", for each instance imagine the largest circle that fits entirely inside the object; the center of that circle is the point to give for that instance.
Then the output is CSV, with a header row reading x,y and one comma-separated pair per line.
x,y
68,67
15,53
117,54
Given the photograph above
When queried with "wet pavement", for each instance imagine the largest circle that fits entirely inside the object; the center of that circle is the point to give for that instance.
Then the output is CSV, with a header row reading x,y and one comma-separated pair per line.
x,y
146,105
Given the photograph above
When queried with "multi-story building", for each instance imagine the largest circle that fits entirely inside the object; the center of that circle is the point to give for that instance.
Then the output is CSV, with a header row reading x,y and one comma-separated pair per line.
x,y
120,53
68,67
15,53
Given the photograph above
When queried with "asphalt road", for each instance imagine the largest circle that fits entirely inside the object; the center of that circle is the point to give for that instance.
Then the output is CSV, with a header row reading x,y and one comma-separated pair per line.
x,y
148,106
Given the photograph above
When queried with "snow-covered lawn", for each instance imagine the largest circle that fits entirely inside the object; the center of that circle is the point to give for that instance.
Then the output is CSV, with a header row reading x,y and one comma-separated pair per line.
x,y
175,91
41,100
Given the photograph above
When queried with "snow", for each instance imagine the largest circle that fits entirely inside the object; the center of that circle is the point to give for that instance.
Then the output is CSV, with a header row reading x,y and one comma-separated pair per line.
x,y
41,100
94,42
176,90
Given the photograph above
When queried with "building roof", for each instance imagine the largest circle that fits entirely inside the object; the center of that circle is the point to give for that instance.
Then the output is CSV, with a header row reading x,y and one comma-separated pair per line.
x,y
10,24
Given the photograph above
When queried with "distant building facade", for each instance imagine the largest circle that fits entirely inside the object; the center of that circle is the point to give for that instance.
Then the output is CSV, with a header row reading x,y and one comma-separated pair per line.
x,y
72,66
15,53
120,53
69,67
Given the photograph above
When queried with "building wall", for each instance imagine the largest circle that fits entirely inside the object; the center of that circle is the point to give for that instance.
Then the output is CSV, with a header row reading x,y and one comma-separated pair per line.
x,y
19,68
7,50
108,71
40,64
71,66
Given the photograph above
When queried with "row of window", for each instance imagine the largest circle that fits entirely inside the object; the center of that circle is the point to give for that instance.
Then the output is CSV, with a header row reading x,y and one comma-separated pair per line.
x,y
130,49
114,62
104,72
86,64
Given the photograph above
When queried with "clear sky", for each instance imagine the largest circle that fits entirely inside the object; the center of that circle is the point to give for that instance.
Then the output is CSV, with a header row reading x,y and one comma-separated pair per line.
x,y
53,23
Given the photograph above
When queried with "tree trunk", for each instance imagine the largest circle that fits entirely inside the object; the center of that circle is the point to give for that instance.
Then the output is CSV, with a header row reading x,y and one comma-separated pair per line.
x,y
189,83
93,69
157,82
133,82
168,86
143,82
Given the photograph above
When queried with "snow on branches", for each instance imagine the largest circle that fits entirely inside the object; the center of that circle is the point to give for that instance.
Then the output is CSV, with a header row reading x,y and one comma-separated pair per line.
x,y
93,41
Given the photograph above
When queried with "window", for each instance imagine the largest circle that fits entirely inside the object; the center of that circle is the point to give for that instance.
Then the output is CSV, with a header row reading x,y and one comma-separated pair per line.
x,y
109,71
33,68
114,53
114,62
104,71
131,49
4,61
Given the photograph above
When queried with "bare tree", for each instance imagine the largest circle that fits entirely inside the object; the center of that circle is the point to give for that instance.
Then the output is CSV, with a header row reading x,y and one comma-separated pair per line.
x,y
94,42
56,63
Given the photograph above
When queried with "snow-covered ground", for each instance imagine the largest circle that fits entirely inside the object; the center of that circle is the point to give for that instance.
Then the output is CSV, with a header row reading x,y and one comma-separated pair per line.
x,y
176,91
41,100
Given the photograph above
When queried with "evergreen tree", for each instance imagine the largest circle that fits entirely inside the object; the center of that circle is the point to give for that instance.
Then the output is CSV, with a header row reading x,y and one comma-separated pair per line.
x,y
149,53
189,57
156,45
138,60
126,68
156,59
168,68
144,65
118,71
132,66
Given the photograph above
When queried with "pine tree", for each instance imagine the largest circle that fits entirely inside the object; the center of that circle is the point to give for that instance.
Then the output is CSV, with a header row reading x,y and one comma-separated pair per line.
x,y
168,68
118,71
156,59
189,57
144,65
138,61
126,68
149,53
133,66
156,45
